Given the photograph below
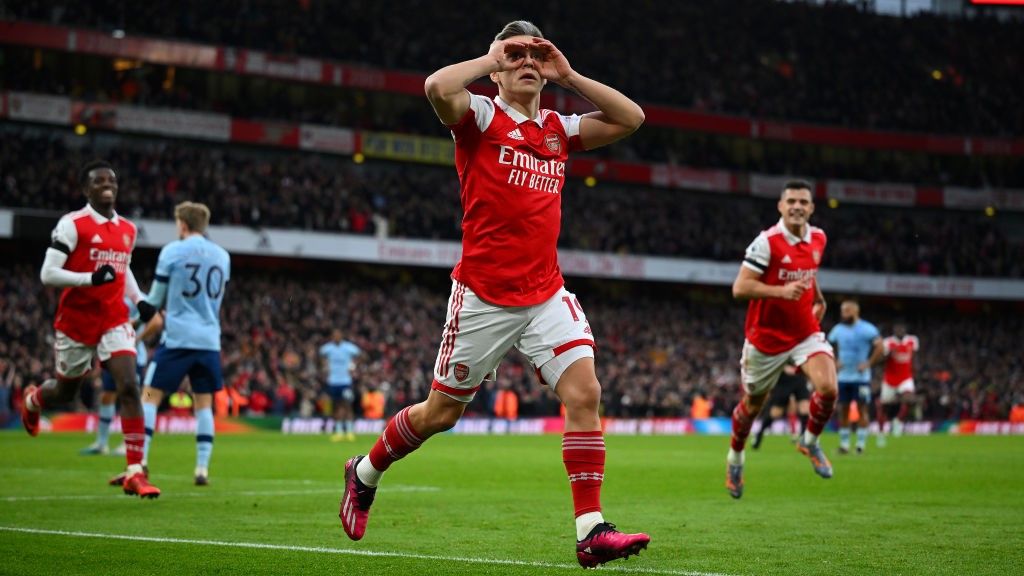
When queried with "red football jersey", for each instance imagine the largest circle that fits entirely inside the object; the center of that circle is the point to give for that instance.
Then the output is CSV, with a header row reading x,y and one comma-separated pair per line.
x,y
86,312
774,325
512,169
899,363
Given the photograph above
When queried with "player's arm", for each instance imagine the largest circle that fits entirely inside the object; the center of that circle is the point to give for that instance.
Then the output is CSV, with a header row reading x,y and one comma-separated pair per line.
x,y
131,286
820,305
157,297
446,88
62,241
153,327
617,116
748,284
877,354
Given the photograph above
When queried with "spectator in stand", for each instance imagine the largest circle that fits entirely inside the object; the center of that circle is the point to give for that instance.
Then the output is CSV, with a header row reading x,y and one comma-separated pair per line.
x,y
970,368
762,58
311,192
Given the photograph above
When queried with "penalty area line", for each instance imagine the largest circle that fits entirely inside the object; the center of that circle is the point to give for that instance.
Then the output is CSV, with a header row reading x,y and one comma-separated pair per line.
x,y
347,551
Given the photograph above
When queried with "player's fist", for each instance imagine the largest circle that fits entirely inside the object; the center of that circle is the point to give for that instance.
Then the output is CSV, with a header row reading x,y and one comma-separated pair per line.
x,y
793,290
103,275
146,310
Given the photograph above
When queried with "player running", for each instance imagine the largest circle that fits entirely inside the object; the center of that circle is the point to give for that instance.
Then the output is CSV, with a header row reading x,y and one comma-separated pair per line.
x,y
507,289
90,257
779,277
191,275
338,355
897,392
859,348
791,387
108,394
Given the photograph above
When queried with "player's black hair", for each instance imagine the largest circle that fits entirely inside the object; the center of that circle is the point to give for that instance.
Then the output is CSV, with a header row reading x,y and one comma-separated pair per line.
x,y
83,174
797,185
519,28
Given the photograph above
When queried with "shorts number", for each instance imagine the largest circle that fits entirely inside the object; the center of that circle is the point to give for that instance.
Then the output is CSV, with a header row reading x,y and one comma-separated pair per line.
x,y
572,310
214,282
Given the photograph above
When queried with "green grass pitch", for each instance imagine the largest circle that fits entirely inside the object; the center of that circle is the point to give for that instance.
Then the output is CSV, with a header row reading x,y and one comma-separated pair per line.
x,y
501,505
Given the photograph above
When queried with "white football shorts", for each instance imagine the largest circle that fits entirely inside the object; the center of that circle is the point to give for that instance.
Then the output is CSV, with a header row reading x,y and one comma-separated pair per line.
x,y
891,394
74,359
477,335
759,371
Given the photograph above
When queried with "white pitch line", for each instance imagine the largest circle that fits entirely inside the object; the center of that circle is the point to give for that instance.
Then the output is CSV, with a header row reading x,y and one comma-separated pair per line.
x,y
351,552
120,496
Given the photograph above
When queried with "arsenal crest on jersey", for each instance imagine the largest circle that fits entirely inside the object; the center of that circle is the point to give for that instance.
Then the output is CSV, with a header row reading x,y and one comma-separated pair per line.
x,y
461,372
127,240
553,143
817,256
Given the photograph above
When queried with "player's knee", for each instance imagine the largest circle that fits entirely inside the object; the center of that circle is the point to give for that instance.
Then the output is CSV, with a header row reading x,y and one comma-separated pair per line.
x,y
581,394
443,420
66,391
128,392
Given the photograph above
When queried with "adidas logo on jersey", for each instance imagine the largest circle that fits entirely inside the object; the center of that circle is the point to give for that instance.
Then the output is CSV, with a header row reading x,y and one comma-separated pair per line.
x,y
96,239
515,134
786,259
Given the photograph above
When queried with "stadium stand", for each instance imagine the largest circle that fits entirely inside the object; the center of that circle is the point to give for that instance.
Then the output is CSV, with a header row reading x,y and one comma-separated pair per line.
x,y
917,73
273,323
320,192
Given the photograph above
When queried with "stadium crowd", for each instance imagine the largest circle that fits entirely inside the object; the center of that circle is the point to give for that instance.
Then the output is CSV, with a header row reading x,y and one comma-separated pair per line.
x,y
832,64
318,192
659,349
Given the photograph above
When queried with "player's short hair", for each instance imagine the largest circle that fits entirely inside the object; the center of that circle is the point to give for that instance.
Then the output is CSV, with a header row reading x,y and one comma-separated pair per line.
x,y
195,215
797,185
83,174
519,28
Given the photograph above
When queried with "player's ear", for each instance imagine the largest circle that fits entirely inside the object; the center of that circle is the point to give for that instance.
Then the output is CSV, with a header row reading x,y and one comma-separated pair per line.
x,y
494,77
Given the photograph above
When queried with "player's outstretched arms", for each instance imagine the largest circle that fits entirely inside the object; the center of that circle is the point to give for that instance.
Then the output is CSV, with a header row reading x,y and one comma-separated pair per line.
x,y
748,286
446,88
617,115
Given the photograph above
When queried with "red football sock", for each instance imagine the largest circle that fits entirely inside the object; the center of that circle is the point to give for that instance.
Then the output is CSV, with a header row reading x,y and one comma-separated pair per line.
x,y
134,436
902,414
821,412
37,400
583,455
741,424
398,440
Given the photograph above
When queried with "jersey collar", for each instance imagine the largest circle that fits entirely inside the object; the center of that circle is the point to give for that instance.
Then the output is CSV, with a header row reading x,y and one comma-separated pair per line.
x,y
793,239
517,116
100,218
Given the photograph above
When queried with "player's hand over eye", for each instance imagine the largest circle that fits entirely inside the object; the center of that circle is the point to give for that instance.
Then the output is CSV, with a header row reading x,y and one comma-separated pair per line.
x,y
103,275
508,54
555,66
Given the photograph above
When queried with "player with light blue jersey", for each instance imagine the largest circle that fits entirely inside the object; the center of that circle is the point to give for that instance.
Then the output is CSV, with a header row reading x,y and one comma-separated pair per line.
x,y
338,354
858,345
108,395
191,276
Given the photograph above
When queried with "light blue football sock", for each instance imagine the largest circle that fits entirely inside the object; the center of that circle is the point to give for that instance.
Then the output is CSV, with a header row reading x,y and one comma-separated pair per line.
x,y
862,437
844,437
107,412
204,437
149,421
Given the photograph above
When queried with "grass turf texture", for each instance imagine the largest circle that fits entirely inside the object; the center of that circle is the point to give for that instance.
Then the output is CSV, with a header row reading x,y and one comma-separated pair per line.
x,y
931,505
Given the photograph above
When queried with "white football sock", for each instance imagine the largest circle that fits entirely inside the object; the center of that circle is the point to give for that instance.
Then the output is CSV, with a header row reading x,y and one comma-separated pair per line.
x,y
736,458
809,438
586,522
367,474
